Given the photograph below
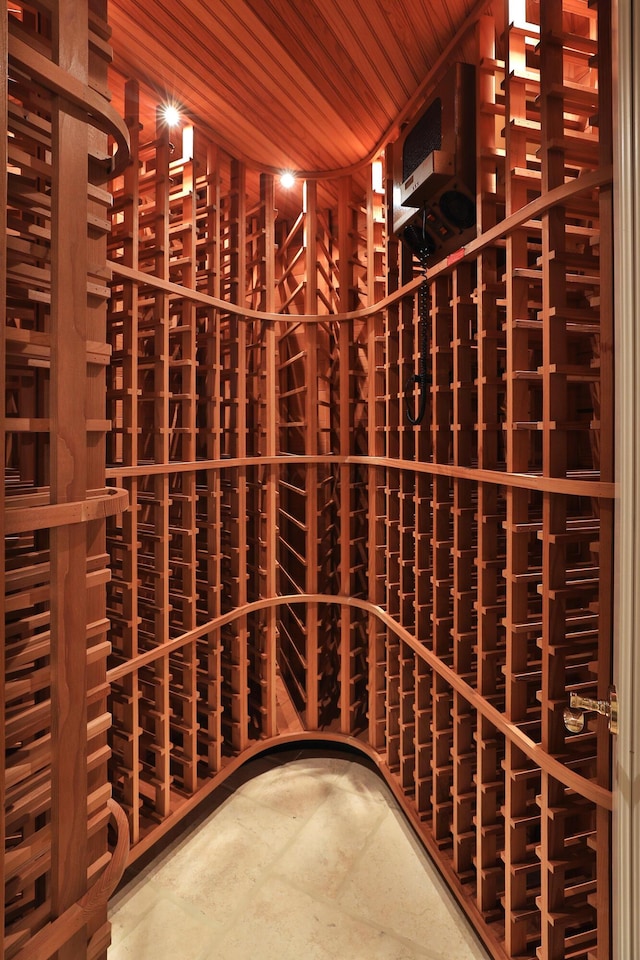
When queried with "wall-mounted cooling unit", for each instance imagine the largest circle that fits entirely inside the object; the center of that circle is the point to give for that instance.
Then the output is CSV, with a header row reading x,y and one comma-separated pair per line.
x,y
434,190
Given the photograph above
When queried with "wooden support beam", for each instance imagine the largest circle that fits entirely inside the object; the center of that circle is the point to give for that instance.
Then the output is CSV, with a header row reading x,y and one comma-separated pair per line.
x,y
446,577
311,416
267,197
69,611
4,67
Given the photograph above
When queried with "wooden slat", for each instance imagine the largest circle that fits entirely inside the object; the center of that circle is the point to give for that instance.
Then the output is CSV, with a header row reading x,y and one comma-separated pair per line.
x,y
244,63
4,67
444,576
68,482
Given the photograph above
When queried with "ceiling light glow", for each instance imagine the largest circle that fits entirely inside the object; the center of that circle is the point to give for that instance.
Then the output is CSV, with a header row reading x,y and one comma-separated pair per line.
x,y
377,177
287,180
171,115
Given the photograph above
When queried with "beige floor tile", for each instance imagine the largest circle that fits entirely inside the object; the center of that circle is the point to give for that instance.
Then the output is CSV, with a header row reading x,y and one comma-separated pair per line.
x,y
310,860
131,905
295,789
394,884
330,842
362,780
286,923
218,866
166,931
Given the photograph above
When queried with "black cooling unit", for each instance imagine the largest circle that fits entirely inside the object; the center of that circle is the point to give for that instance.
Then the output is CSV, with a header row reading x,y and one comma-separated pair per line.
x,y
434,193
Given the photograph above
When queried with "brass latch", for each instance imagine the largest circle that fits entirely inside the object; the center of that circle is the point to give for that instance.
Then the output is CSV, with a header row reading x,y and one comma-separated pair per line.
x,y
578,706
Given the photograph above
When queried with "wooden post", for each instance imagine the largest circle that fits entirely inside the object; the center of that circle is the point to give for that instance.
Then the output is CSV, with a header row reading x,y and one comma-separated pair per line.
x,y
270,519
4,67
345,241
311,415
69,479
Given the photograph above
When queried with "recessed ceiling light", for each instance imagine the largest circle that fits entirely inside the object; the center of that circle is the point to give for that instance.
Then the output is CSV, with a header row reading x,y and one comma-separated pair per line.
x,y
171,115
287,180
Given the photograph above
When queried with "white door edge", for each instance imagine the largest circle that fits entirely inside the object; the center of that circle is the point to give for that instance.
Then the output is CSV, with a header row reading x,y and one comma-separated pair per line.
x,y
626,819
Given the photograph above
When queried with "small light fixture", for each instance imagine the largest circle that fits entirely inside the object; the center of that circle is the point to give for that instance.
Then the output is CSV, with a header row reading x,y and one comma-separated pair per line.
x,y
287,180
171,115
187,143
377,181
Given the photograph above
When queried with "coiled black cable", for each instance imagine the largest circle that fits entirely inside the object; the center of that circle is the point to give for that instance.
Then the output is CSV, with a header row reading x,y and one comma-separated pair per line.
x,y
422,378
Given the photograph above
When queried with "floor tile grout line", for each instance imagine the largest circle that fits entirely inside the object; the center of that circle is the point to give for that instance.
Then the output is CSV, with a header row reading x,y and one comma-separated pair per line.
x,y
292,840
383,806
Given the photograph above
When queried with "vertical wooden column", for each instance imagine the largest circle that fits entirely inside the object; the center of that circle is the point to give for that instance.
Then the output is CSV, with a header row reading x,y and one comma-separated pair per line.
x,y
4,67
376,288
96,358
270,518
69,479
410,335
604,413
124,546
490,562
159,715
360,371
463,345
345,336
554,461
387,535
392,414
521,864
392,411
210,516
239,476
311,398
183,530
571,281
54,780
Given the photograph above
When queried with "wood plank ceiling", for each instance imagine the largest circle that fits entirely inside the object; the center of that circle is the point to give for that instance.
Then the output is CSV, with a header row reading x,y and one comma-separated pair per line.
x,y
299,84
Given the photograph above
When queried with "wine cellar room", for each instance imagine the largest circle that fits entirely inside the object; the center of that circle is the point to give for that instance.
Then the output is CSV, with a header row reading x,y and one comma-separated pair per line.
x,y
319,421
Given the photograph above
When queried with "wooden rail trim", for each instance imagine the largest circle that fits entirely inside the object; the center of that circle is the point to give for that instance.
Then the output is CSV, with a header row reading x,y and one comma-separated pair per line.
x,y
555,768
56,934
526,481
555,197
98,111
109,501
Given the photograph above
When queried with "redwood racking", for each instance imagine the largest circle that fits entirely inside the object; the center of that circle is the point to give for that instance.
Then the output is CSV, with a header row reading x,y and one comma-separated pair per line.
x,y
300,560
430,591
56,799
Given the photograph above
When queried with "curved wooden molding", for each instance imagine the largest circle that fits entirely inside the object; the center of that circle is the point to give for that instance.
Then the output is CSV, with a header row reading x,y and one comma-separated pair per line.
x,y
98,111
581,184
581,485
105,503
56,934
550,764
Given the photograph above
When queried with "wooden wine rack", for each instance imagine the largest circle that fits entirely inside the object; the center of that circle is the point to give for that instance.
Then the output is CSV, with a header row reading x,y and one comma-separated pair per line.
x,y
298,560
56,799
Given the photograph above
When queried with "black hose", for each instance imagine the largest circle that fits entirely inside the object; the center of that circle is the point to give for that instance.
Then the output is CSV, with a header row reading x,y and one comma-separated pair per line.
x,y
421,378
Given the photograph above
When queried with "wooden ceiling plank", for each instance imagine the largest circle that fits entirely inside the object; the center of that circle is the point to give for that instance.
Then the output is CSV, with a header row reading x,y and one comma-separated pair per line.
x,y
128,61
374,71
406,60
289,83
310,85
365,50
306,37
212,108
209,82
409,41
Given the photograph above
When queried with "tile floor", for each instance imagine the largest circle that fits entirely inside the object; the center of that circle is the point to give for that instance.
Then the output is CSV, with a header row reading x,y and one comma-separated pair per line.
x,y
297,857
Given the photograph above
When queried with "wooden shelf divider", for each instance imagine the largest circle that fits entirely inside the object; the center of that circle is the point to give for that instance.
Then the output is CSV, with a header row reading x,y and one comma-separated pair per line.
x,y
299,560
